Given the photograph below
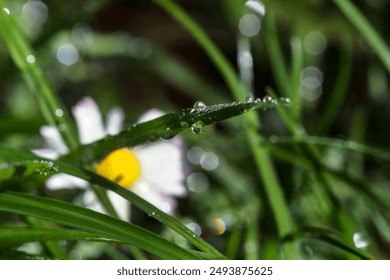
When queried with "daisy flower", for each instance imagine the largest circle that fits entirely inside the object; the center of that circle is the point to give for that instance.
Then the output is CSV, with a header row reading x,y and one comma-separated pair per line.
x,y
153,171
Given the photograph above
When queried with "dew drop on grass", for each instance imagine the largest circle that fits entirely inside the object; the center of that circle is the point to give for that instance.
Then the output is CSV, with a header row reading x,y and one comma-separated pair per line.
x,y
285,100
268,99
249,99
166,134
198,127
46,167
184,124
199,106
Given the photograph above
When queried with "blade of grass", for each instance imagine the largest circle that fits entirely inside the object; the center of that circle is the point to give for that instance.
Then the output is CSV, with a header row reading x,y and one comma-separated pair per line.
x,y
52,247
278,65
340,89
166,127
367,31
26,168
18,155
379,154
88,220
11,237
262,158
27,62
334,239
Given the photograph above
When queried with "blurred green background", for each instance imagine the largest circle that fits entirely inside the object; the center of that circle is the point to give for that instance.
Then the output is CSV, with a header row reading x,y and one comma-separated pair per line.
x,y
133,54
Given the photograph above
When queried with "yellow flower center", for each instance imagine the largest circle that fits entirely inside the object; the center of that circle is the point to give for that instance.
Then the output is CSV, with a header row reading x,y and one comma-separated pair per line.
x,y
120,166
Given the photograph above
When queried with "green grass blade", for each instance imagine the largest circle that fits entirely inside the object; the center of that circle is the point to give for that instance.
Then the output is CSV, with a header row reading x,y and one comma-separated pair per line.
x,y
11,237
88,220
334,239
373,152
367,31
17,155
27,62
167,126
27,168
262,157
340,90
278,65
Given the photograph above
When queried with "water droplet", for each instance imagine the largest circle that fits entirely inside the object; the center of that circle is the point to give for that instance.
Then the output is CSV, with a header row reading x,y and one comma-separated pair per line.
x,y
30,58
249,99
59,112
195,228
184,124
197,182
6,11
258,100
194,155
198,127
68,54
199,106
45,168
249,25
359,240
268,99
256,6
209,161
61,127
285,100
152,214
166,134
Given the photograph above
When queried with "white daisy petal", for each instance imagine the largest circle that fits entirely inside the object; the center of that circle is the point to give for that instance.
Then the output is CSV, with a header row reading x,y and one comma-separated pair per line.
x,y
163,202
89,120
53,139
114,121
121,205
90,201
162,167
46,153
150,115
64,181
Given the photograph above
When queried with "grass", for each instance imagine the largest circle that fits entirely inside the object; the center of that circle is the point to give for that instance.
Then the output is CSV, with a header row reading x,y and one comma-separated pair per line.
x,y
275,179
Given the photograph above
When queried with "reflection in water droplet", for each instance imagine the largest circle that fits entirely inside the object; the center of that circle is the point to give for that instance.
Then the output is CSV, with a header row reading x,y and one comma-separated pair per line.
x,y
249,25
197,182
198,127
30,58
285,100
249,99
194,227
166,134
359,241
199,106
61,127
268,99
59,112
